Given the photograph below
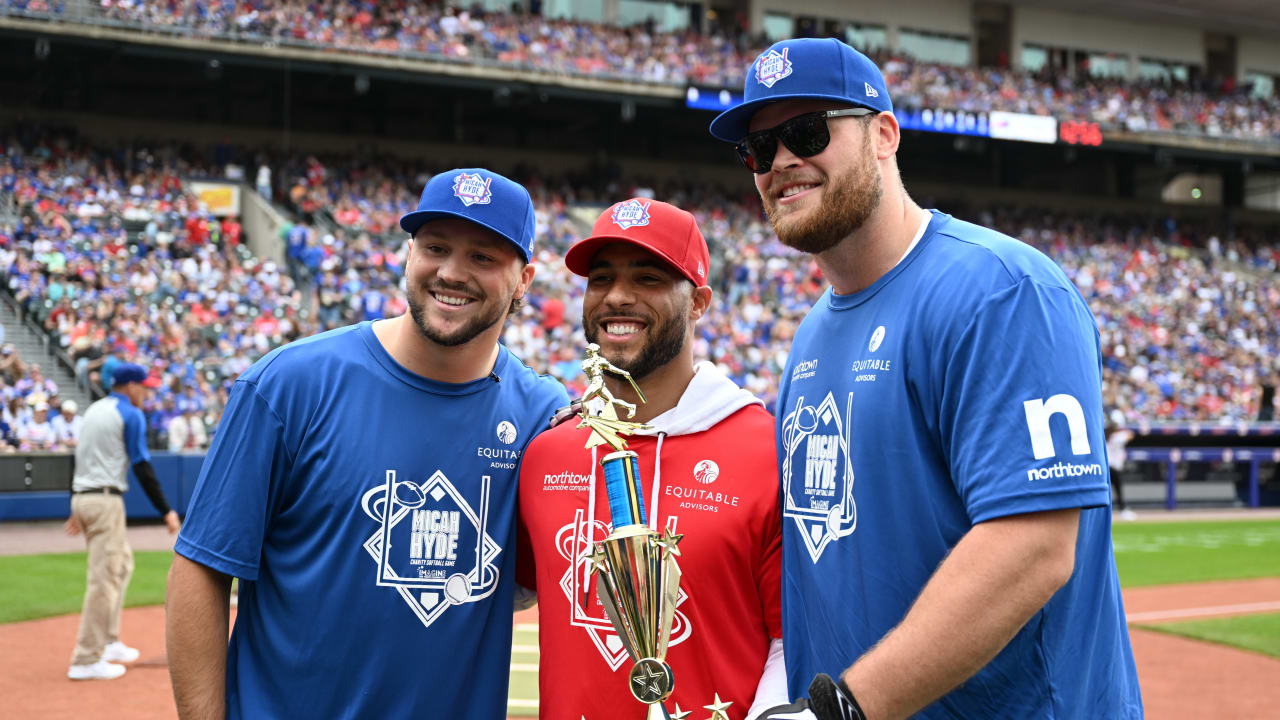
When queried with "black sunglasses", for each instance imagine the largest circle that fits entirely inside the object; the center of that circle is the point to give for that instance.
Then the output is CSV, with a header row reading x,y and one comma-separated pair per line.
x,y
804,135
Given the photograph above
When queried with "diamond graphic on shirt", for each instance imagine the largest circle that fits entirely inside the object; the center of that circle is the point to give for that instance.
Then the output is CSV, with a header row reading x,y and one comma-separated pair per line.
x,y
573,542
431,545
817,472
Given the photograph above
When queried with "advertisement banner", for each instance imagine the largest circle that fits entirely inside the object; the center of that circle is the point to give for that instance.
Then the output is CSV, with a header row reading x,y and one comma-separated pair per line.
x,y
1027,128
222,199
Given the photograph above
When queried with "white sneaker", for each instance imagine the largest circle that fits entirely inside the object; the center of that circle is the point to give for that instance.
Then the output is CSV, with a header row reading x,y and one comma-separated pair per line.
x,y
118,652
101,670
1128,514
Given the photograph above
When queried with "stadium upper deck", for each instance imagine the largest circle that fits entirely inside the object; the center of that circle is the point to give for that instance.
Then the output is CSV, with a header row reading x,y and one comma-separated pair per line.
x,y
1156,81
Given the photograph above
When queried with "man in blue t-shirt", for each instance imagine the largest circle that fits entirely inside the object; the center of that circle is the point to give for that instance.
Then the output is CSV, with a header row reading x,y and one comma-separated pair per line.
x,y
946,535
362,486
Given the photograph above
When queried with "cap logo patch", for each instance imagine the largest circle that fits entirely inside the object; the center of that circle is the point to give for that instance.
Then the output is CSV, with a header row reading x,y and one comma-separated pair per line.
x,y
472,189
631,213
871,92
701,271
772,67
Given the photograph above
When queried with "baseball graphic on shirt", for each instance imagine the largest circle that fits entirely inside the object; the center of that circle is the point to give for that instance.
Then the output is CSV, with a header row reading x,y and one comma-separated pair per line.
x,y
457,589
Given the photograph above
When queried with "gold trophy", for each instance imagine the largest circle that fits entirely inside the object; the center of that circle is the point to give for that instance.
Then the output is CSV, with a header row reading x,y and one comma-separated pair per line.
x,y
638,578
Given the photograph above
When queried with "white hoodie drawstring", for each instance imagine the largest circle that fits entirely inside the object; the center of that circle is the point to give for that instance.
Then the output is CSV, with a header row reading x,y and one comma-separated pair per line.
x,y
591,523
657,480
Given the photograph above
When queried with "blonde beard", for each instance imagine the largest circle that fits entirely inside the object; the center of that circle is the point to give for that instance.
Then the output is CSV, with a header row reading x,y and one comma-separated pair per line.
x,y
847,204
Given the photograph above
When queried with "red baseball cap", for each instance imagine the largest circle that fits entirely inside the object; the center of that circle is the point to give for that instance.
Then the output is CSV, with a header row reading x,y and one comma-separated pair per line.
x,y
664,230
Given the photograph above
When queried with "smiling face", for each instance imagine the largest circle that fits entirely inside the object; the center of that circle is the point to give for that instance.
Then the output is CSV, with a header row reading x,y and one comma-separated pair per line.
x,y
637,308
815,202
461,279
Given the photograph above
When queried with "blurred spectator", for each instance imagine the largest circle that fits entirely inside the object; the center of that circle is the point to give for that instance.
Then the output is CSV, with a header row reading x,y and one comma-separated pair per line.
x,y
66,425
264,181
35,383
36,434
11,367
187,432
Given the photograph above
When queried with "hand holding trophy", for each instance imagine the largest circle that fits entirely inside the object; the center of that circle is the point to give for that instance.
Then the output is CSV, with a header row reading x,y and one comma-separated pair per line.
x,y
637,575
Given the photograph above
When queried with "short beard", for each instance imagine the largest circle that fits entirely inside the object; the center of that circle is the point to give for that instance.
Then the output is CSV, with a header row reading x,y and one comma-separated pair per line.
x,y
665,343
851,199
462,335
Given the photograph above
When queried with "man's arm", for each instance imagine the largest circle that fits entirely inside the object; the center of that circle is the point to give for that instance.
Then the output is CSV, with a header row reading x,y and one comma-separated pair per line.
x,y
999,575
197,616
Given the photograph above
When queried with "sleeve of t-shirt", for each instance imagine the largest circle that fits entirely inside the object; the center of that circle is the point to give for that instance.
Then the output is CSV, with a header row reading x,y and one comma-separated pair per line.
x,y
239,483
1021,405
135,436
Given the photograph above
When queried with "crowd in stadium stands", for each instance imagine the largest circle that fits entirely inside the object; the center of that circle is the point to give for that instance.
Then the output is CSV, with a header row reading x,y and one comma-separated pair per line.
x,y
643,54
122,265
32,416
125,265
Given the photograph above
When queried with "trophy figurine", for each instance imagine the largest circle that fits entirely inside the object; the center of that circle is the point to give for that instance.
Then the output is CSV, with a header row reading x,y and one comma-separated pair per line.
x,y
638,578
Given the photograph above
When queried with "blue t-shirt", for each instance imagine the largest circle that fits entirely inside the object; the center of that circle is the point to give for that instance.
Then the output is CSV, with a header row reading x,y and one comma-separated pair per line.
x,y
370,515
962,386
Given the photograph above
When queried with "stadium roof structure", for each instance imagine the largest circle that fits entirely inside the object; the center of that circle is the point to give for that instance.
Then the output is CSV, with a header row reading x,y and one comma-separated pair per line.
x,y
1251,16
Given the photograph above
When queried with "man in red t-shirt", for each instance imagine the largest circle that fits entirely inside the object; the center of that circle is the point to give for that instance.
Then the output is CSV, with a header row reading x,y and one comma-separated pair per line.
x,y
708,469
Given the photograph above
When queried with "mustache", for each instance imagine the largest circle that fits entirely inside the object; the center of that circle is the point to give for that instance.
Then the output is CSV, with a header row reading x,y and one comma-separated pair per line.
x,y
595,319
777,181
458,289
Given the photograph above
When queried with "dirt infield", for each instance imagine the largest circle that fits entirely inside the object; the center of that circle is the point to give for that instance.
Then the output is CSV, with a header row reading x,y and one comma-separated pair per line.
x,y
1180,677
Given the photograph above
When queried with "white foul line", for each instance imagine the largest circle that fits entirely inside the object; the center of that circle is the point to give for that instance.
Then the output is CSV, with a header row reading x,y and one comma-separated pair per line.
x,y
1156,615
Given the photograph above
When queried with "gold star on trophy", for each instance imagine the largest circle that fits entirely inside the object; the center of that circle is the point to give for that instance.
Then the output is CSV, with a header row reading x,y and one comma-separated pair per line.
x,y
679,714
669,540
718,708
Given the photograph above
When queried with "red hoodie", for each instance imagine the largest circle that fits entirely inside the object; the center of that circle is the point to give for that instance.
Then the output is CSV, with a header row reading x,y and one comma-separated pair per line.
x,y
718,486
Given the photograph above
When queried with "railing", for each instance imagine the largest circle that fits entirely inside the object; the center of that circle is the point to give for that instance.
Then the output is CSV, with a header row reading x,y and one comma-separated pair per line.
x,y
1199,428
1171,457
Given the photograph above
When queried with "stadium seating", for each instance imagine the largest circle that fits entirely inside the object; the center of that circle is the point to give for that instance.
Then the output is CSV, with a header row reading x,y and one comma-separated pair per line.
x,y
119,264
641,54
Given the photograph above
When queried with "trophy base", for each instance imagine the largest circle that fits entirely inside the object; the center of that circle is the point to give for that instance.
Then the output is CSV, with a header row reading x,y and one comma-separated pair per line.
x,y
651,681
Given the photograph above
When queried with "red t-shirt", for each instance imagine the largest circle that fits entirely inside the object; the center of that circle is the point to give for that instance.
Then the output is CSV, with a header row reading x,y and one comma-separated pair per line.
x,y
719,488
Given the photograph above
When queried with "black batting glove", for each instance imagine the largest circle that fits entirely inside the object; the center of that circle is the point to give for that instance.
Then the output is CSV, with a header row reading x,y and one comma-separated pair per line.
x,y
832,700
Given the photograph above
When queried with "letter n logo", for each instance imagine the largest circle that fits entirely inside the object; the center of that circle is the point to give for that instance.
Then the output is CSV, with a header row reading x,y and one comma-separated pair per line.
x,y
1038,414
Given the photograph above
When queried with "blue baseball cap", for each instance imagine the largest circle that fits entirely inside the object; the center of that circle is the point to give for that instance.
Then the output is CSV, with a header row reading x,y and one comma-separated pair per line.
x,y
804,68
481,196
127,373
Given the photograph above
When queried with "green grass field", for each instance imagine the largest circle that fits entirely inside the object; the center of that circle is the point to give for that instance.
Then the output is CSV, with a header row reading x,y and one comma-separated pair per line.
x,y
523,697
1260,633
1146,554
1177,552
37,586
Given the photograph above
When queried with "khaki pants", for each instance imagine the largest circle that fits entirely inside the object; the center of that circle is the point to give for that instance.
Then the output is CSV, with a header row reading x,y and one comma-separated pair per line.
x,y
110,565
